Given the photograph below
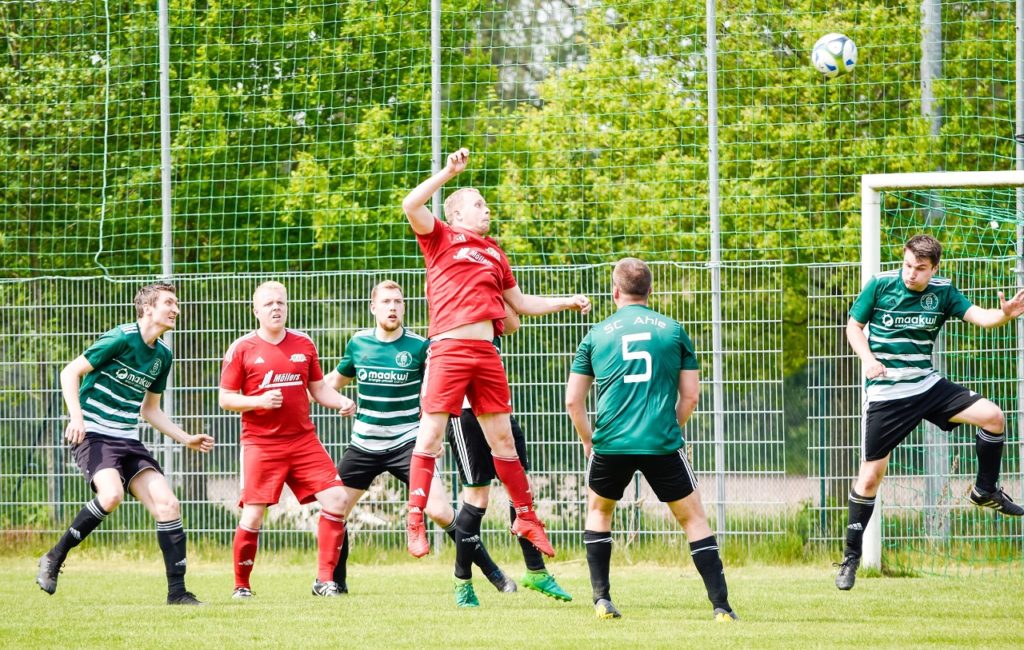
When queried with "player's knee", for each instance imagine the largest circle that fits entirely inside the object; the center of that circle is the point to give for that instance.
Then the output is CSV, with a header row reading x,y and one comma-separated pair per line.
x,y
996,422
110,499
167,508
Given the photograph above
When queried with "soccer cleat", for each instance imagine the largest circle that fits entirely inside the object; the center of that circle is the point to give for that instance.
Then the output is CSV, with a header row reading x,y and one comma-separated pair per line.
x,y
49,570
416,535
183,598
464,594
997,500
328,589
242,593
533,531
502,582
544,582
847,572
604,609
723,616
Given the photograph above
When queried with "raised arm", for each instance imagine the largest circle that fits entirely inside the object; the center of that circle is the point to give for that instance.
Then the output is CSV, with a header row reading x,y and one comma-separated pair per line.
x,y
415,203
529,305
70,384
859,343
155,415
576,391
996,317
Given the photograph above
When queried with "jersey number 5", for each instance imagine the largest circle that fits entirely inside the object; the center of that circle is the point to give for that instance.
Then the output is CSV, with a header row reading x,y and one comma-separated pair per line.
x,y
630,355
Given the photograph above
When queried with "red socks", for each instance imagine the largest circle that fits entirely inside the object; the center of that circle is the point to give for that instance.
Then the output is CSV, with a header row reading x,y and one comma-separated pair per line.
x,y
330,534
246,543
421,474
511,473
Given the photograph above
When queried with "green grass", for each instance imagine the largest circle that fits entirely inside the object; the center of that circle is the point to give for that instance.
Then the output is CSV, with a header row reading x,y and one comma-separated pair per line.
x,y
108,600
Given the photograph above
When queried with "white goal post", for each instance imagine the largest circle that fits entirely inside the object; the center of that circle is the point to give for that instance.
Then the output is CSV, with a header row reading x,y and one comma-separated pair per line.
x,y
872,186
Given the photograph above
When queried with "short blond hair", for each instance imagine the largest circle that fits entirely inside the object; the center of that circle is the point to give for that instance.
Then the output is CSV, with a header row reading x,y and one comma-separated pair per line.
x,y
386,284
454,200
270,284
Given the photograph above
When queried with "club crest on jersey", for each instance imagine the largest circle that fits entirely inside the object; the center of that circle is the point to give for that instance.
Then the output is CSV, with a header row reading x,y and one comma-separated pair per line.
x,y
403,359
929,301
298,357
157,365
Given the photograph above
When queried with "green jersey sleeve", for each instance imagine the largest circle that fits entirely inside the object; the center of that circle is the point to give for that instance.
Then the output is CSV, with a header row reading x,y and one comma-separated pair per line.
x,y
582,363
689,354
958,303
347,365
864,305
106,347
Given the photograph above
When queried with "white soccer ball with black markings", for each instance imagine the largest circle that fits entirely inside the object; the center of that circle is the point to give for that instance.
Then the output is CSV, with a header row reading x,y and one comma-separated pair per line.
x,y
834,54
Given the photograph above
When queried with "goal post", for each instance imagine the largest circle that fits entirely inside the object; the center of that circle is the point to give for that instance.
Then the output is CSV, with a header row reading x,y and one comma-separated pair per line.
x,y
872,186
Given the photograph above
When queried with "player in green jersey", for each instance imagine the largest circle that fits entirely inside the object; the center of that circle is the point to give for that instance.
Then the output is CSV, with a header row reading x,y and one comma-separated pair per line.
x,y
120,377
388,363
905,310
647,387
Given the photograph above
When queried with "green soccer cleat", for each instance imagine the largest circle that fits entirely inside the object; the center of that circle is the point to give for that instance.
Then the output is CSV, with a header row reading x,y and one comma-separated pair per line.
x,y
544,582
604,609
464,594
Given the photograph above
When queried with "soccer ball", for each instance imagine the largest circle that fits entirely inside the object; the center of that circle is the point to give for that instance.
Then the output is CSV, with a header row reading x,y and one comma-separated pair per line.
x,y
834,54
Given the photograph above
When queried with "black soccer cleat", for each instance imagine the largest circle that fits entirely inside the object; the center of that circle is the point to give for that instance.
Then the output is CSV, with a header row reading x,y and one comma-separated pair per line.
x,y
997,500
49,570
847,572
328,588
502,582
183,598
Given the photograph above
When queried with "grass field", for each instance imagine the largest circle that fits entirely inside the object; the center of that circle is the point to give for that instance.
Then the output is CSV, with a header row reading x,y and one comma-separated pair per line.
x,y
118,602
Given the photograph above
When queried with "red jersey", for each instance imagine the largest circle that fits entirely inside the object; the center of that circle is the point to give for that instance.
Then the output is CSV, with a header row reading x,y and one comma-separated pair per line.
x,y
466,275
254,366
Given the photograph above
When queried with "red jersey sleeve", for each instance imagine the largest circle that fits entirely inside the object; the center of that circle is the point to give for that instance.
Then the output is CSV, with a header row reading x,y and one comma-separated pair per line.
x,y
232,373
430,242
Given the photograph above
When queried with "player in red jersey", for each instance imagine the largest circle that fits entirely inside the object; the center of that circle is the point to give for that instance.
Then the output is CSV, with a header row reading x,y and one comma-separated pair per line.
x,y
265,376
469,280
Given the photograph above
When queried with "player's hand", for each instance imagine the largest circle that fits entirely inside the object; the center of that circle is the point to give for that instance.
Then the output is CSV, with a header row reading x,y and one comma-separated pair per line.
x,y
75,431
578,303
200,442
348,407
272,399
1013,307
457,161
588,449
874,370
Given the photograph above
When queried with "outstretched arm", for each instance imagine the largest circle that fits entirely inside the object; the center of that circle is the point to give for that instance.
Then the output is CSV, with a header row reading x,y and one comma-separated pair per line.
x,y
540,305
576,391
1006,312
415,203
155,415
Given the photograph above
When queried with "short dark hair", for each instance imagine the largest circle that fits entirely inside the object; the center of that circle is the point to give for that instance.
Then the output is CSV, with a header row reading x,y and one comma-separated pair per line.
x,y
147,295
925,246
632,276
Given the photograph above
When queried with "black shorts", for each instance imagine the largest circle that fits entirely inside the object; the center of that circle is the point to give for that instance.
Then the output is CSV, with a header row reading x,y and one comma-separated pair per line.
x,y
129,457
888,423
357,468
670,476
472,453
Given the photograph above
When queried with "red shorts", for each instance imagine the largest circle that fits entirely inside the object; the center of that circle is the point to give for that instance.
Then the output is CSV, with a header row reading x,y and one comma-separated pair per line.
x,y
304,465
458,368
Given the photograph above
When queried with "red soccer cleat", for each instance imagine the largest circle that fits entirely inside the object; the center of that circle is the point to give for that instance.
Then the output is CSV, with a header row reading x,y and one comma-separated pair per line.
x,y
416,535
533,530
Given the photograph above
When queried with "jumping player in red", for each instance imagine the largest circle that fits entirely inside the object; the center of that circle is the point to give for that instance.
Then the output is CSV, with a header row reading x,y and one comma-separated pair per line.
x,y
265,376
469,280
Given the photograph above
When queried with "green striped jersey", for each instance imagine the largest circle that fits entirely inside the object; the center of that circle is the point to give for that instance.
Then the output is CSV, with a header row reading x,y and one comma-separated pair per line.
x,y
635,357
124,369
902,328
388,376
